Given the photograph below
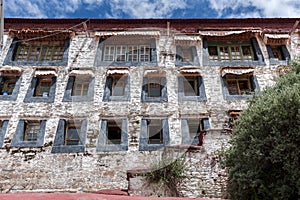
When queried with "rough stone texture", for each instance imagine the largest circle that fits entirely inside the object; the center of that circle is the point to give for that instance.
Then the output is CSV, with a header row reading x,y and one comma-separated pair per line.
x,y
37,169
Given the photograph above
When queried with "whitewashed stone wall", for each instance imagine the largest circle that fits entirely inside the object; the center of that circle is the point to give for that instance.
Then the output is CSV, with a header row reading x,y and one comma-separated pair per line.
x,y
37,169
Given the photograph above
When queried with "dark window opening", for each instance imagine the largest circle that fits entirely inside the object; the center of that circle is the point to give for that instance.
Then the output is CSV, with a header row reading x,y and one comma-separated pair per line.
x,y
277,52
114,132
154,87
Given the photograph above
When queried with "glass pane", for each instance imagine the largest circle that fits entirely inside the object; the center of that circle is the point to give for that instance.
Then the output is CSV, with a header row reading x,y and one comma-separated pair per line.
x,y
224,53
235,53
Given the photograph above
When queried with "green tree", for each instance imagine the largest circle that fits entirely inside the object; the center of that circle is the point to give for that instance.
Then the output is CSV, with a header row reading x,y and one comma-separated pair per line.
x,y
264,159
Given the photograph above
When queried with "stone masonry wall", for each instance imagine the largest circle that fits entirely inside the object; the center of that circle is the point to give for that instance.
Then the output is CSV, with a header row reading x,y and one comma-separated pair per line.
x,y
37,169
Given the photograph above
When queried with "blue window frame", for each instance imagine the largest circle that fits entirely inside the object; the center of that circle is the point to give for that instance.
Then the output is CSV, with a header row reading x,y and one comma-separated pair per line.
x,y
113,135
117,88
70,136
29,133
191,88
154,134
154,89
192,128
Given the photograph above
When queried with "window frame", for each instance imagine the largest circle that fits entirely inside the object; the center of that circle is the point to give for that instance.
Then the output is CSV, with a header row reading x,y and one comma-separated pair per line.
x,y
59,144
32,90
3,129
68,97
19,136
16,45
163,90
104,145
256,53
180,61
185,130
108,88
31,132
232,97
144,144
231,56
15,91
283,51
129,57
201,94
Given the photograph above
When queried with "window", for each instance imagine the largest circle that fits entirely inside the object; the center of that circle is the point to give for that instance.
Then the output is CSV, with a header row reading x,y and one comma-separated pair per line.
x,y
123,53
117,88
191,88
232,52
239,85
229,50
186,55
70,136
79,88
3,127
278,54
113,132
40,52
192,130
126,50
113,135
41,89
32,130
29,133
155,131
7,85
154,89
154,134
72,133
48,51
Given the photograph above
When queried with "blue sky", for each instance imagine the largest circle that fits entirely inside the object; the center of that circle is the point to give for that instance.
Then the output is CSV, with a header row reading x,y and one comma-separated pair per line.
x,y
151,8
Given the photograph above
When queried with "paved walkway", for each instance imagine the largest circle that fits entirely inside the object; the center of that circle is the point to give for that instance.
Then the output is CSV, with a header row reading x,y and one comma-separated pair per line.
x,y
82,196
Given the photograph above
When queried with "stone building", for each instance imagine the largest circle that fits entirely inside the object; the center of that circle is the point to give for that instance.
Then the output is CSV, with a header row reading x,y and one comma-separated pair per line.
x,y
84,100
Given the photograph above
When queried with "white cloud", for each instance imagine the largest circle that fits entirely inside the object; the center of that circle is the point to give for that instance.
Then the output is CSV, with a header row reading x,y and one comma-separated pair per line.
x,y
46,8
146,8
260,8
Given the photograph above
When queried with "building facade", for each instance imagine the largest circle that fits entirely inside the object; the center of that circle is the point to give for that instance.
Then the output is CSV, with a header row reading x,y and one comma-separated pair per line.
x,y
84,100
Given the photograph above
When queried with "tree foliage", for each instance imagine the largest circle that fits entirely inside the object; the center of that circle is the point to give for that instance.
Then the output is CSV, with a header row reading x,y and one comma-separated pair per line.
x,y
264,159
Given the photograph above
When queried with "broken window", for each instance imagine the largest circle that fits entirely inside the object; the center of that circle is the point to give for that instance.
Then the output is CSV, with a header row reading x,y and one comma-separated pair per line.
x,y
114,132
